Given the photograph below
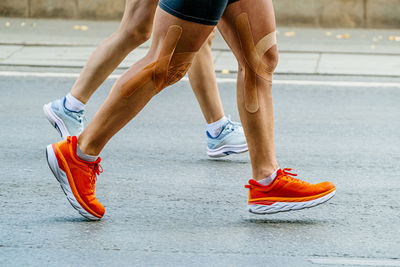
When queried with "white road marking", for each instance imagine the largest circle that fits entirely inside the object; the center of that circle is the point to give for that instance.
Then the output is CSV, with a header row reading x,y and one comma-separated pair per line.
x,y
356,261
219,80
46,74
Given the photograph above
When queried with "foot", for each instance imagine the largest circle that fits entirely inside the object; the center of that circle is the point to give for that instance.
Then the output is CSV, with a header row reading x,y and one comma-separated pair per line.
x,y
76,177
231,140
287,193
67,122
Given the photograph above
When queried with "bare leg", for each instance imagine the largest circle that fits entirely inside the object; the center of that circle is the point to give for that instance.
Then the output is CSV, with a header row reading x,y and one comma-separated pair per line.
x,y
259,125
204,84
135,29
117,111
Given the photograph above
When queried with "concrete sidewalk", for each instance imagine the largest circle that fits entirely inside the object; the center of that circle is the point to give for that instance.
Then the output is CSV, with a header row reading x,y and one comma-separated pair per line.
x,y
67,43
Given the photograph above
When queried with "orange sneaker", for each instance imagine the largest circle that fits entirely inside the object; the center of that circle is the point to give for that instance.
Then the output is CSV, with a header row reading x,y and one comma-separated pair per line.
x,y
76,177
287,193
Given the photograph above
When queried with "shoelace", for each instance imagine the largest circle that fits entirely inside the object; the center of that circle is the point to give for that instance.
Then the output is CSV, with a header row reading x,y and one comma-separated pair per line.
x,y
81,119
96,170
232,126
289,176
229,126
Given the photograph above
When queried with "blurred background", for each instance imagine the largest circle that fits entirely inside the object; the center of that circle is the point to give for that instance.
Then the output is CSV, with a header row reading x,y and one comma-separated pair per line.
x,y
312,13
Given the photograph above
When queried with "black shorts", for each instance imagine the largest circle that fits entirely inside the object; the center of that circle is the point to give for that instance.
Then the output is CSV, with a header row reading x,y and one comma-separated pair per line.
x,y
206,12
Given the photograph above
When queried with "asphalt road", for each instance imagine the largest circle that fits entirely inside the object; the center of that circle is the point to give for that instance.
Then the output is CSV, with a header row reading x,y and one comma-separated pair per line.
x,y
167,204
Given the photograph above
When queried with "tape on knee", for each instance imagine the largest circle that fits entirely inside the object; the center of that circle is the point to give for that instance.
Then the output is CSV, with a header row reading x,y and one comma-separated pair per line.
x,y
169,68
254,66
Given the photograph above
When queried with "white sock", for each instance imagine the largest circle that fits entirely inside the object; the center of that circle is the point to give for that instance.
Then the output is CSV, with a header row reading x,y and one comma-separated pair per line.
x,y
269,179
84,156
73,104
215,128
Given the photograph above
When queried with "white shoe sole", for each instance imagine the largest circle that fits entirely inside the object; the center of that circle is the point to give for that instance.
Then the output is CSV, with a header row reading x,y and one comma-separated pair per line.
x,y
63,180
56,121
226,150
287,206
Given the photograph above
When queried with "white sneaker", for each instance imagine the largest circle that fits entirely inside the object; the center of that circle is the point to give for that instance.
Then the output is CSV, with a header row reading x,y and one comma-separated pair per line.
x,y
67,122
231,140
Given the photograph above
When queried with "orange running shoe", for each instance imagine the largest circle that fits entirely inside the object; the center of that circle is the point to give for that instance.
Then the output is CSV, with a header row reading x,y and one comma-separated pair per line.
x,y
287,193
76,177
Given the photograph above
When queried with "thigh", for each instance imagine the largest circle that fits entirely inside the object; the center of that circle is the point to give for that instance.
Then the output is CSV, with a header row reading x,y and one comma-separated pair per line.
x,y
193,34
139,13
261,19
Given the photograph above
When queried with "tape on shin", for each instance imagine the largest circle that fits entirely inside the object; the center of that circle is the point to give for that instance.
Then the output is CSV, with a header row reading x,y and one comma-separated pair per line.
x,y
169,68
254,66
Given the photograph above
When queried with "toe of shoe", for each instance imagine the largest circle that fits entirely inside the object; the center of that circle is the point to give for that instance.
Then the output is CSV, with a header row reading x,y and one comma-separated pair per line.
x,y
97,208
326,186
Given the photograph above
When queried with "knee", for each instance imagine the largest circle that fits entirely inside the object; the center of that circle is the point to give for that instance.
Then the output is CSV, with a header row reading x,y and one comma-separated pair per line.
x,y
141,32
270,58
178,68
135,33
135,36
160,72
268,61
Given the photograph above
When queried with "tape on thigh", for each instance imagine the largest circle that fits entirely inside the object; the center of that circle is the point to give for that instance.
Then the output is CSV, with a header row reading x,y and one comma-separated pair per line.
x,y
254,66
169,68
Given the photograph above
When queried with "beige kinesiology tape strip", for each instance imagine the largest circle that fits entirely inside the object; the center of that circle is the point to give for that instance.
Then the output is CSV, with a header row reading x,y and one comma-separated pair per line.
x,y
169,68
255,67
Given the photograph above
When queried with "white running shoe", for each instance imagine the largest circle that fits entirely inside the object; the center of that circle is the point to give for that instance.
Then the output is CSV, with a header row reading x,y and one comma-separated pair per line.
x,y
231,140
67,122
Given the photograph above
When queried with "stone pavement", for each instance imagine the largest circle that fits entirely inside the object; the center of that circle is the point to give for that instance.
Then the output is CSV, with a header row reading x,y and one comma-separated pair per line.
x,y
68,43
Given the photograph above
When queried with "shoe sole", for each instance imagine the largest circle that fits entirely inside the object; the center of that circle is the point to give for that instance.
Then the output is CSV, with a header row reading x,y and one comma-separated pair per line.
x,y
288,206
55,121
226,150
64,184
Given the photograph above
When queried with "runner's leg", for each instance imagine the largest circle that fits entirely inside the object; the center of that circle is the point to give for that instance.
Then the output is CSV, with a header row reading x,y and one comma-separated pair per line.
x,y
204,84
224,137
249,29
259,125
134,29
67,114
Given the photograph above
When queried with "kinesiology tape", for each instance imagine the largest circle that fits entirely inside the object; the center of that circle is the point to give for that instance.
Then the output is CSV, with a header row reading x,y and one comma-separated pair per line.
x,y
169,68
254,66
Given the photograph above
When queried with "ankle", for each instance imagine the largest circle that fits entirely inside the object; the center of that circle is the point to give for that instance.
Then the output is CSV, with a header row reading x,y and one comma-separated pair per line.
x,y
215,128
87,148
211,118
73,103
262,173
84,156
